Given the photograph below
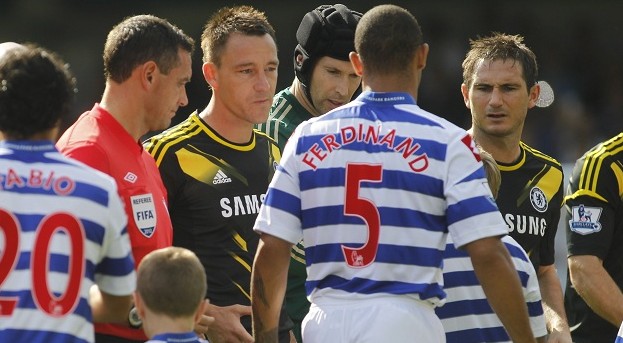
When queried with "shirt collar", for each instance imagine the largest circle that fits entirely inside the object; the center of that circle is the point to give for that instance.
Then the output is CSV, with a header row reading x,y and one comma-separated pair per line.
x,y
389,98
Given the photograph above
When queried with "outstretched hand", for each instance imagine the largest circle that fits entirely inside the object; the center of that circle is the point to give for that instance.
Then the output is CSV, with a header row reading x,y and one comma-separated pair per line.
x,y
226,327
204,323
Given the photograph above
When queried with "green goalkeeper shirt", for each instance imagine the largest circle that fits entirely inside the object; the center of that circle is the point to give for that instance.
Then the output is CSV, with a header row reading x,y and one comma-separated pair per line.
x,y
285,115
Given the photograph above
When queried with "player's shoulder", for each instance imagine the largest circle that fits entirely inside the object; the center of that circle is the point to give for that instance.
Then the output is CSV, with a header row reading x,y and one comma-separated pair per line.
x,y
540,156
177,132
612,147
286,108
262,137
89,127
417,115
589,167
89,140
281,102
94,153
77,136
84,173
440,129
284,95
174,137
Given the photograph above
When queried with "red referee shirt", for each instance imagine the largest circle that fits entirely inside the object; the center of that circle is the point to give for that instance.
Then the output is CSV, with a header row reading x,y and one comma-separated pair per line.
x,y
98,140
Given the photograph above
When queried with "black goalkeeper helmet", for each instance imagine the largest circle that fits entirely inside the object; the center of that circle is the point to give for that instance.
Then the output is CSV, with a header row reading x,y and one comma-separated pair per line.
x,y
328,30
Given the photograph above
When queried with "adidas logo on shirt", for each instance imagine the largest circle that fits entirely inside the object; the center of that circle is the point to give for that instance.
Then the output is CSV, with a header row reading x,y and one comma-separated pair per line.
x,y
220,177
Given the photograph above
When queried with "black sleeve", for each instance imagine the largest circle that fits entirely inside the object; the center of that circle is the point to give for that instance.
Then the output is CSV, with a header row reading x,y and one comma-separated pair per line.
x,y
591,204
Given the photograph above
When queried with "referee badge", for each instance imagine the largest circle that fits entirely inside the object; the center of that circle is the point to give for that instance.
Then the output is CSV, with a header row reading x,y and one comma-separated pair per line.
x,y
585,220
144,213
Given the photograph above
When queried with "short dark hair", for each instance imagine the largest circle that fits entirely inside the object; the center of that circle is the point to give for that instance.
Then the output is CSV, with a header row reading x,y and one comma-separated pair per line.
x,y
171,281
387,38
139,39
37,90
241,19
500,46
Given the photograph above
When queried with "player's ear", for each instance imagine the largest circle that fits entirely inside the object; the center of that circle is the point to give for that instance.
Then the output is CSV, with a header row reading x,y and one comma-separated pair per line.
x,y
422,55
147,73
533,95
355,60
299,59
210,74
465,92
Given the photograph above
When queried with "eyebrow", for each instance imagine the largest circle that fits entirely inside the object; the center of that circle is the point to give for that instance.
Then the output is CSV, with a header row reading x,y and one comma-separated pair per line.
x,y
244,65
491,84
250,64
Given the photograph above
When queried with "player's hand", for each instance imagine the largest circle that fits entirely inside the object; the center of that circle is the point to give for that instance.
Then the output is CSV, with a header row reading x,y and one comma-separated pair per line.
x,y
559,337
203,325
226,327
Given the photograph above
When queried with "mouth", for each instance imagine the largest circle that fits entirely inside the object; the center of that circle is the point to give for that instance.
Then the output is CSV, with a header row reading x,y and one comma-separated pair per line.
x,y
263,101
335,104
496,115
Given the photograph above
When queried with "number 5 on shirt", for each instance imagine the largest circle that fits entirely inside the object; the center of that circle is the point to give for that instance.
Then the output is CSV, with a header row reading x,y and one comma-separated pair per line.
x,y
355,205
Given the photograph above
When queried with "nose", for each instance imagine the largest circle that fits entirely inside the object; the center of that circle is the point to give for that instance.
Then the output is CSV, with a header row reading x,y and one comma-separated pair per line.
x,y
262,83
496,97
342,85
183,98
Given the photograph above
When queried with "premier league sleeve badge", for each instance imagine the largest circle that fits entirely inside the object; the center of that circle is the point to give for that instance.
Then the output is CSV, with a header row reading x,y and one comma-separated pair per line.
x,y
585,220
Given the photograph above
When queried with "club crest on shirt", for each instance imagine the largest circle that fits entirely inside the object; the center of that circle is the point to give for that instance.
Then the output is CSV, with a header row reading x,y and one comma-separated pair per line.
x,y
144,213
538,199
585,220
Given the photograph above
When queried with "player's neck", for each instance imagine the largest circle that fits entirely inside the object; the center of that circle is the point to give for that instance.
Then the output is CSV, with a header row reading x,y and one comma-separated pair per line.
x,y
124,107
298,91
228,125
160,324
504,149
391,83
